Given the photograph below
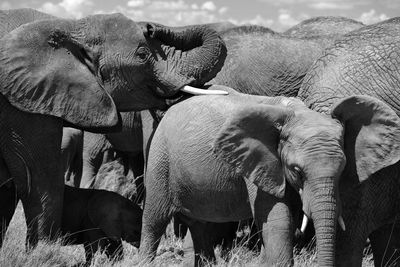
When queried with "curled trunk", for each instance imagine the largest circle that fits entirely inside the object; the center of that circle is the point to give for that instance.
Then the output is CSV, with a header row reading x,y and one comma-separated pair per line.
x,y
195,54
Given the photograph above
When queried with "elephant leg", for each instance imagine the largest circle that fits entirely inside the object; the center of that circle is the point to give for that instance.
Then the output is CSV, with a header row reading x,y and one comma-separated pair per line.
x,y
202,243
8,203
33,158
180,227
273,216
96,151
77,169
158,205
137,166
385,244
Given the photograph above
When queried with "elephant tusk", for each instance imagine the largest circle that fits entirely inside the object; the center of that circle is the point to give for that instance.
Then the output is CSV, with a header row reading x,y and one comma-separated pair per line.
x,y
196,91
341,223
300,192
304,224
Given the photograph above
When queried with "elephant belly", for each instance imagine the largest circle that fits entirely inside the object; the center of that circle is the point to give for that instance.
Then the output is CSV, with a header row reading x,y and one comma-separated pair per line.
x,y
213,197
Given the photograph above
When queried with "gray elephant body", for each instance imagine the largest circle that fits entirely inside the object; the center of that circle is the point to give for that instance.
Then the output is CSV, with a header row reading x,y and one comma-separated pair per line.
x,y
185,176
99,219
263,62
80,72
365,61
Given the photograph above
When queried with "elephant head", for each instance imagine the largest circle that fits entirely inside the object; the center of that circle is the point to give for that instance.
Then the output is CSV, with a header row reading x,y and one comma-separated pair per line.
x,y
308,150
85,70
117,217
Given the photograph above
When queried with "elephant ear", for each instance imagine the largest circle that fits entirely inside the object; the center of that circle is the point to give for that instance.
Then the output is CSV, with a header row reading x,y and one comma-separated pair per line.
x,y
44,69
104,212
372,134
249,141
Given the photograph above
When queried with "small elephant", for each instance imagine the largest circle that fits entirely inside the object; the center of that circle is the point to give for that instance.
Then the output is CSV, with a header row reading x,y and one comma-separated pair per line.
x,y
99,219
224,158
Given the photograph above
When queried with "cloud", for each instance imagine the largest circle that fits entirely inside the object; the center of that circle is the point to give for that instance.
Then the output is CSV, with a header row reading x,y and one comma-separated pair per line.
x,y
331,5
319,4
285,18
372,17
137,3
208,6
5,5
68,8
223,10
172,13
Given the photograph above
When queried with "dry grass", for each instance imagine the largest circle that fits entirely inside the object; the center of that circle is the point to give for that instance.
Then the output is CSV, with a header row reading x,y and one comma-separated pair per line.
x,y
172,252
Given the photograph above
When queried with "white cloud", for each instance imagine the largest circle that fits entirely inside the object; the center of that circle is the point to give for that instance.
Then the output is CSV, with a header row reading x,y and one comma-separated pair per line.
x,y
222,10
285,18
169,12
5,5
68,8
320,4
371,17
208,6
169,5
331,5
137,3
173,12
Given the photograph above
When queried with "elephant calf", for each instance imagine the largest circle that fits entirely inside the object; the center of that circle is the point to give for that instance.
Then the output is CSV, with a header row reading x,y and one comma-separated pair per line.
x,y
100,219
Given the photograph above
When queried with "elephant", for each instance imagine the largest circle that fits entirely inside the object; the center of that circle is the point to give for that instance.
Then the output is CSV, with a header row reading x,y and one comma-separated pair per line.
x,y
195,168
263,62
99,219
63,72
365,62
329,26
71,154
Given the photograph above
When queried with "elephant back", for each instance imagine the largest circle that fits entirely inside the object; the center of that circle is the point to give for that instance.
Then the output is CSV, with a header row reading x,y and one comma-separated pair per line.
x,y
13,18
362,62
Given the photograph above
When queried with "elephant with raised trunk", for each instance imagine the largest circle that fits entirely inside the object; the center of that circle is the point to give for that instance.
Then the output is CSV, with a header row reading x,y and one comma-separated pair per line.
x,y
366,62
82,72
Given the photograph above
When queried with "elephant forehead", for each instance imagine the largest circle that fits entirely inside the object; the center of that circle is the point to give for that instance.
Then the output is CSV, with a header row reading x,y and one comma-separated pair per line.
x,y
116,28
312,124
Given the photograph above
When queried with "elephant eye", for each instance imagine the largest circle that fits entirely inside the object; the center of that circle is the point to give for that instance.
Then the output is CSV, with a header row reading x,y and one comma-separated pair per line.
x,y
142,54
299,173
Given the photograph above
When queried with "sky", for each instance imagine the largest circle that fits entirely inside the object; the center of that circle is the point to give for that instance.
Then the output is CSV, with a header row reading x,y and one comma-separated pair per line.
x,y
277,15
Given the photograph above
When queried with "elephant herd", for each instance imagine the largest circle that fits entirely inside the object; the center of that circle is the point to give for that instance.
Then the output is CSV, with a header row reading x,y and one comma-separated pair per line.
x,y
301,123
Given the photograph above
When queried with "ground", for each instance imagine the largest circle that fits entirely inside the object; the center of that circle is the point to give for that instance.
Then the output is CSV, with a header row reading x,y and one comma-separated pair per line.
x,y
172,252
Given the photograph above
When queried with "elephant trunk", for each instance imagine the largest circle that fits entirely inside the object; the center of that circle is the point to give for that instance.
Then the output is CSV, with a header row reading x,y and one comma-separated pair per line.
x,y
323,212
196,54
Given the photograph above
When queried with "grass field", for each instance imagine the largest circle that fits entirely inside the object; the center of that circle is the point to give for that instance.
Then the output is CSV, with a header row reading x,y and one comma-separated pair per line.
x,y
172,252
